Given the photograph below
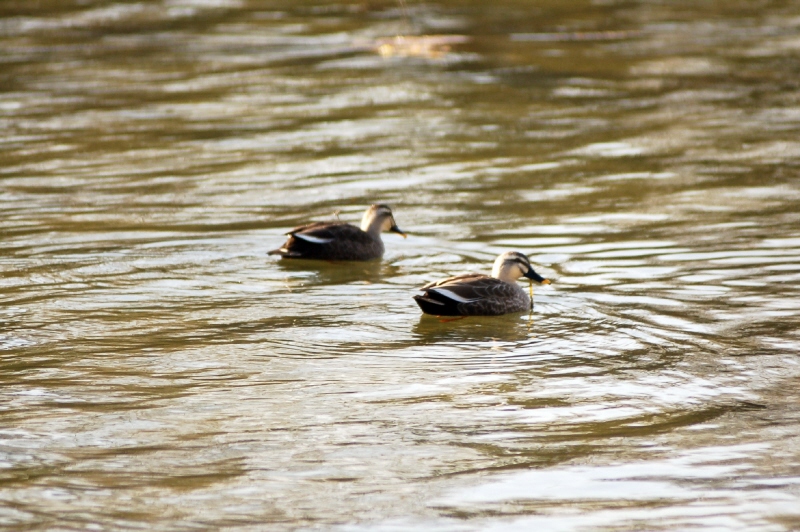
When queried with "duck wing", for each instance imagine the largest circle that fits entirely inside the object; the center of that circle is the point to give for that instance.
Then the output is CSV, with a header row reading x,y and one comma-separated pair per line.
x,y
465,278
322,232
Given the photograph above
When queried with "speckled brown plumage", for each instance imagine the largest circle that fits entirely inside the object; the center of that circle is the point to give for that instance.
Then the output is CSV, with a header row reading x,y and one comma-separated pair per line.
x,y
475,294
339,240
347,242
486,296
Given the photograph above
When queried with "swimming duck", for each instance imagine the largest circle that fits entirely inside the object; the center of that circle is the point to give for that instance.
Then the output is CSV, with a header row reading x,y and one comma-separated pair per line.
x,y
476,294
339,240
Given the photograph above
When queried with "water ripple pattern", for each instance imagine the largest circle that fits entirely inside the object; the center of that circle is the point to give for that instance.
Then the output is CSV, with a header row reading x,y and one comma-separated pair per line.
x,y
161,371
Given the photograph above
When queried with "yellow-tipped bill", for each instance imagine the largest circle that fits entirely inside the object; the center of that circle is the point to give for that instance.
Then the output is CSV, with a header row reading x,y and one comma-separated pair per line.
x,y
397,230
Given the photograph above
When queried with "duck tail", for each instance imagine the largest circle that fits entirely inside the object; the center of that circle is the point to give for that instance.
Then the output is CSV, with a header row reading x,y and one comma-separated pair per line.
x,y
285,253
436,307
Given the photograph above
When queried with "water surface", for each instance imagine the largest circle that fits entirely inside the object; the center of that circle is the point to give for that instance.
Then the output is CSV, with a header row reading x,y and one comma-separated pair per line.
x,y
160,371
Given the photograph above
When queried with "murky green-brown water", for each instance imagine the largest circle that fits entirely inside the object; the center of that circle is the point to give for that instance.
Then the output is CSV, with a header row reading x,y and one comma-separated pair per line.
x,y
159,371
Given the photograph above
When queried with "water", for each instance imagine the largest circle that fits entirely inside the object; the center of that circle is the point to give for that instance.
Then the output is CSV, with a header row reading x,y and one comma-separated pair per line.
x,y
160,371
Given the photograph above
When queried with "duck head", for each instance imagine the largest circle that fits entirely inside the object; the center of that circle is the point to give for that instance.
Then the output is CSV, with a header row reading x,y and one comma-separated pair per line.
x,y
379,218
512,265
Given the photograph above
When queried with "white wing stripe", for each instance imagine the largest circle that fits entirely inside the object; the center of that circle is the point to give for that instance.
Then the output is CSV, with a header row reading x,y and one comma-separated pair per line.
x,y
452,295
313,239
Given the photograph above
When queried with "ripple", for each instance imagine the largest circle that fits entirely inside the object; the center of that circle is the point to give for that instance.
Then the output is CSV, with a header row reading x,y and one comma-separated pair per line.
x,y
155,359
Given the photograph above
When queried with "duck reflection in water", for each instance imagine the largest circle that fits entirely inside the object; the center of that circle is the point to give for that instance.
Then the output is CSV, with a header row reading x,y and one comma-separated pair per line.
x,y
330,273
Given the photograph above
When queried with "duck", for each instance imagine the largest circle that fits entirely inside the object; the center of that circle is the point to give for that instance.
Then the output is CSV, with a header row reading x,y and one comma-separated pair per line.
x,y
476,294
339,240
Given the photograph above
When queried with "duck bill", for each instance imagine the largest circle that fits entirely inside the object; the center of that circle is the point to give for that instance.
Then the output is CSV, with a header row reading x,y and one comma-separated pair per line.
x,y
536,277
395,229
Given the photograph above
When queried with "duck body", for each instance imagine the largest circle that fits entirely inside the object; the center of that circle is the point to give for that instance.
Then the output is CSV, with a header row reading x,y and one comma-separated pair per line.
x,y
339,240
476,294
330,241
472,295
